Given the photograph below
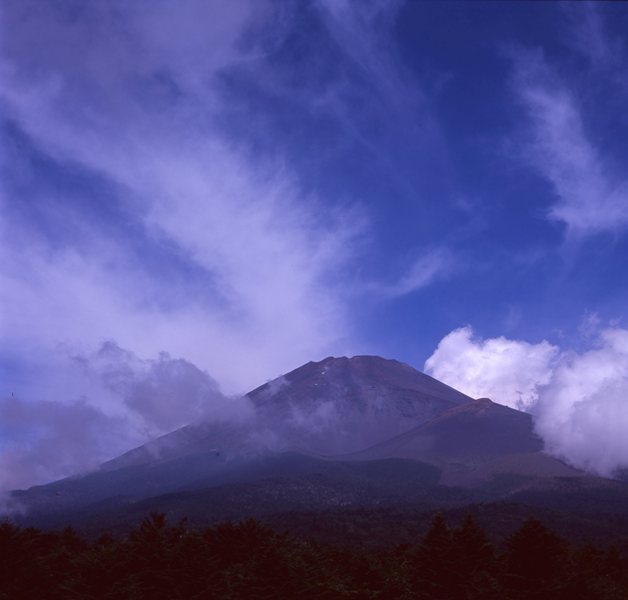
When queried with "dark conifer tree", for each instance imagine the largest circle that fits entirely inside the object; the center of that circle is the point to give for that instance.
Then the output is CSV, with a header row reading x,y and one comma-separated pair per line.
x,y
435,561
474,561
535,561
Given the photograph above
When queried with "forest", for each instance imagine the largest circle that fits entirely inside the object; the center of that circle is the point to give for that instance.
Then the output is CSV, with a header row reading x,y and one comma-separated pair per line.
x,y
248,559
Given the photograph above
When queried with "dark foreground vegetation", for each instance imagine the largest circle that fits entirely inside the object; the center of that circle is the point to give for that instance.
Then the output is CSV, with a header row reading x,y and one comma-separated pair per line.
x,y
250,560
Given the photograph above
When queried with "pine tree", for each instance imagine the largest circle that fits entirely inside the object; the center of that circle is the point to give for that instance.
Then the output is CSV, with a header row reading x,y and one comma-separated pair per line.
x,y
535,559
435,561
474,561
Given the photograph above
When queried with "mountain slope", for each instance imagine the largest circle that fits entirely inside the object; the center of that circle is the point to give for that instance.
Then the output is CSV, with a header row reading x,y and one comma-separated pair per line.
x,y
476,428
474,443
289,483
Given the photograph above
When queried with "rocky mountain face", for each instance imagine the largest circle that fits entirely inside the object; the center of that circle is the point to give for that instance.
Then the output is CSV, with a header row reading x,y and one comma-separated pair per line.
x,y
342,432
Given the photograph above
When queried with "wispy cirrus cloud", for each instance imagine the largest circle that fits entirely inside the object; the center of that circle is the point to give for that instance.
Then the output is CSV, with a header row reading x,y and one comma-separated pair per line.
x,y
591,189
197,247
428,268
588,34
362,30
565,137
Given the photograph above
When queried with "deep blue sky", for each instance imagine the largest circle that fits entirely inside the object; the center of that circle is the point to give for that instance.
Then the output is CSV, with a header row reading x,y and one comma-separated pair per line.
x,y
435,140
249,185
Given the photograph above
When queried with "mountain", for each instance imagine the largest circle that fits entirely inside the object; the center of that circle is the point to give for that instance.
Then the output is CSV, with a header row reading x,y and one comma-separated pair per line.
x,y
338,434
328,407
333,406
345,404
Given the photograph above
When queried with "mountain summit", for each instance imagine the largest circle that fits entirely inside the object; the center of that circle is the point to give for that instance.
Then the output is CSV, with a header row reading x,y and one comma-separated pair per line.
x,y
355,377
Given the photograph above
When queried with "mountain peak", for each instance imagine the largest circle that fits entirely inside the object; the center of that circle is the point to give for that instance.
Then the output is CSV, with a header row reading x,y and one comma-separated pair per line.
x,y
340,404
355,374
335,405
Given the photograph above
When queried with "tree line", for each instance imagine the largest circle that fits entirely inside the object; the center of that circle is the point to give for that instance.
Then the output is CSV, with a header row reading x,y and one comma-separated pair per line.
x,y
248,559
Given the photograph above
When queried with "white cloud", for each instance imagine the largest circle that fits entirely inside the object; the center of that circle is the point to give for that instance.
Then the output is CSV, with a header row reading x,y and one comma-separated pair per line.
x,y
507,371
589,325
579,400
592,196
583,413
426,269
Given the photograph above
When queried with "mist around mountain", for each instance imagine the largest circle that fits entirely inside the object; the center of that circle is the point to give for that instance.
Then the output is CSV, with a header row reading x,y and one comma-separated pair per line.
x,y
333,438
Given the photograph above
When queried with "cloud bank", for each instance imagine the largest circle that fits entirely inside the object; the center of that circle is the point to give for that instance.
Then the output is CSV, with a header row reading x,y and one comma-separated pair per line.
x,y
579,399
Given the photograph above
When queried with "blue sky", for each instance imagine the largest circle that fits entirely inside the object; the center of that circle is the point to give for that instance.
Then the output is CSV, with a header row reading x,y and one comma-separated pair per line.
x,y
250,185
